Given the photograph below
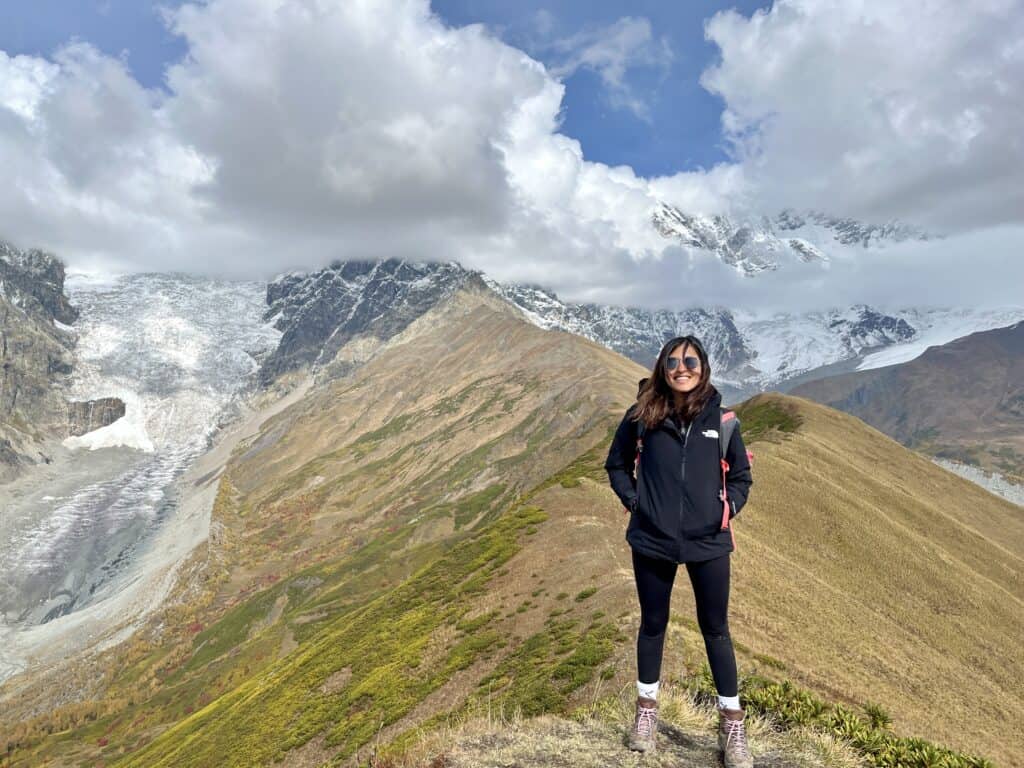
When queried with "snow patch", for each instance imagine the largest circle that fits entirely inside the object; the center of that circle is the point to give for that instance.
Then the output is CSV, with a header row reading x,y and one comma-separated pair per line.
x,y
937,327
129,431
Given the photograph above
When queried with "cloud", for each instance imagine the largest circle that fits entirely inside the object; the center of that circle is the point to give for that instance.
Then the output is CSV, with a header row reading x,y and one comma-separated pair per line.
x,y
92,167
296,132
293,133
902,109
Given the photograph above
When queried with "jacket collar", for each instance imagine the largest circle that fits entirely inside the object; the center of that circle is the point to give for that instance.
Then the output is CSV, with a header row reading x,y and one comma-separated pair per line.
x,y
711,408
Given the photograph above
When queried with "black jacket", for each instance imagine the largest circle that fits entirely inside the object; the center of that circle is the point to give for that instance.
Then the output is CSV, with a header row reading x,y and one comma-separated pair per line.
x,y
676,510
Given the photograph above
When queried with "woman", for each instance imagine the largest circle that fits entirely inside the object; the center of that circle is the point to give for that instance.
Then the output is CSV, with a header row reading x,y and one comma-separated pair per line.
x,y
676,512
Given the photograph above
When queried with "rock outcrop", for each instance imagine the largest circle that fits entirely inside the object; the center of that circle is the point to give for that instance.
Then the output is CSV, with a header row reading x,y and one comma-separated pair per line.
x,y
320,312
36,346
87,415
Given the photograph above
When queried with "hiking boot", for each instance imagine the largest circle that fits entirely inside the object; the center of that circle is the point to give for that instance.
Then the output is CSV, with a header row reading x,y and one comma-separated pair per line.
x,y
645,725
732,739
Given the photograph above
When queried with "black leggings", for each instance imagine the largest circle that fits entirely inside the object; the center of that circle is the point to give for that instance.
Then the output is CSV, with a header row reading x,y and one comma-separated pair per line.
x,y
710,580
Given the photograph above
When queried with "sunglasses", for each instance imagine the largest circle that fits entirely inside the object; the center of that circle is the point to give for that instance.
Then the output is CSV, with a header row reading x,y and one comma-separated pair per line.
x,y
690,362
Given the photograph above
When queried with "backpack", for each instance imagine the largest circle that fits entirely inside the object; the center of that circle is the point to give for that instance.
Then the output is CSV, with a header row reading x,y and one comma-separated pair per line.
x,y
727,423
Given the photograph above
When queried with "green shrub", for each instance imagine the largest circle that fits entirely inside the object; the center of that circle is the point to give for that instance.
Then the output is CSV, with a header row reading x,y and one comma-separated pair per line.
x,y
758,419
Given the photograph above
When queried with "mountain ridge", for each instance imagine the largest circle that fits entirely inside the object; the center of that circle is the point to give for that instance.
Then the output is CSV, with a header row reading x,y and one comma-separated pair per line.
x,y
751,245
320,311
962,400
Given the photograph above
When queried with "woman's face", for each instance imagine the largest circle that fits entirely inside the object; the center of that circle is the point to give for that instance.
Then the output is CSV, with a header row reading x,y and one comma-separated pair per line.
x,y
681,379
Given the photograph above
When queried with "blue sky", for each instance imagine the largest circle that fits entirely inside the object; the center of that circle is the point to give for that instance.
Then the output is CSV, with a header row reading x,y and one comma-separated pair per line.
x,y
680,131
132,27
683,132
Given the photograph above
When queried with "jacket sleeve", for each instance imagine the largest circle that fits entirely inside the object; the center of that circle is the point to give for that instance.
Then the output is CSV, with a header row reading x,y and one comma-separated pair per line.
x,y
738,480
621,457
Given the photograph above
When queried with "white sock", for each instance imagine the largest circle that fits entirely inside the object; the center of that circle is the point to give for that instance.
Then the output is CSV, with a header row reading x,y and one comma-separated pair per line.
x,y
647,690
729,702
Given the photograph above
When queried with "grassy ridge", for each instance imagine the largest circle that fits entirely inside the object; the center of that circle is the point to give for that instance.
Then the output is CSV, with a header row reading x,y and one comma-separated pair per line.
x,y
790,706
380,644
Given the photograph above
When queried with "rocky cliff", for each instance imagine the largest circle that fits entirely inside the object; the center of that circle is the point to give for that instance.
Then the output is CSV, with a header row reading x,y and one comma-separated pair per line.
x,y
370,301
36,360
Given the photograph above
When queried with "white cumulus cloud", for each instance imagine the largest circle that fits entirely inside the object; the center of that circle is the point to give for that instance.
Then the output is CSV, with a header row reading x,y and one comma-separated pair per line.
x,y
905,108
294,132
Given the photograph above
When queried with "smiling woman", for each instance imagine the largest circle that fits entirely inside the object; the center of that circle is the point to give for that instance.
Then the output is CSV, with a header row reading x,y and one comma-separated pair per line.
x,y
680,513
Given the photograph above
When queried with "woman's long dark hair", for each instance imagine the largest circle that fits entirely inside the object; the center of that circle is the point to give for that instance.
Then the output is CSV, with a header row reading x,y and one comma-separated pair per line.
x,y
656,399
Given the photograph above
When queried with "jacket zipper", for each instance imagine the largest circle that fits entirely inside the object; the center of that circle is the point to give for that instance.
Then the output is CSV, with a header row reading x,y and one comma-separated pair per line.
x,y
682,474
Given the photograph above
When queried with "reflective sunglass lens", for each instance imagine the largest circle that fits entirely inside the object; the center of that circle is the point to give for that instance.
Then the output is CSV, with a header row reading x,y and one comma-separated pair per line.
x,y
692,363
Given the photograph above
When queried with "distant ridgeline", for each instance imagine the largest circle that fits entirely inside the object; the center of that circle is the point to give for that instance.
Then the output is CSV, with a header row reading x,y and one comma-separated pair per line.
x,y
962,401
359,305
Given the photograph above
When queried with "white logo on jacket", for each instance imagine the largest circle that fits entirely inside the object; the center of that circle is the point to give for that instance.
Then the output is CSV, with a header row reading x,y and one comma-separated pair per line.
x,y
710,433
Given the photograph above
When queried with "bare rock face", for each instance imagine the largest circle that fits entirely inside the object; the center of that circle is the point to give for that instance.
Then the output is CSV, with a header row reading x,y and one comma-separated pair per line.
x,y
320,312
87,415
36,359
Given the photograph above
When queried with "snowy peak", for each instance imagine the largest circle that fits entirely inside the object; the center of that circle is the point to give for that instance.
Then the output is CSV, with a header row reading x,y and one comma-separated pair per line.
x,y
866,328
748,248
850,231
763,244
319,312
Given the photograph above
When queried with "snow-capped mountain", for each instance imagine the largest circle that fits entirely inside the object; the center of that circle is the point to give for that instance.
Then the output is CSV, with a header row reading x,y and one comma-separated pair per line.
x,y
790,345
753,246
752,353
850,231
320,312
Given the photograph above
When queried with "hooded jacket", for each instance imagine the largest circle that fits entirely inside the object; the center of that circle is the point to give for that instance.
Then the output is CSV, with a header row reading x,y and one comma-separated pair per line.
x,y
674,502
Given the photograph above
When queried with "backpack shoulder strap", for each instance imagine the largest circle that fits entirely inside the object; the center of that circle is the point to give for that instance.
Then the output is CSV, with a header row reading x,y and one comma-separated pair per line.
x,y
728,421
